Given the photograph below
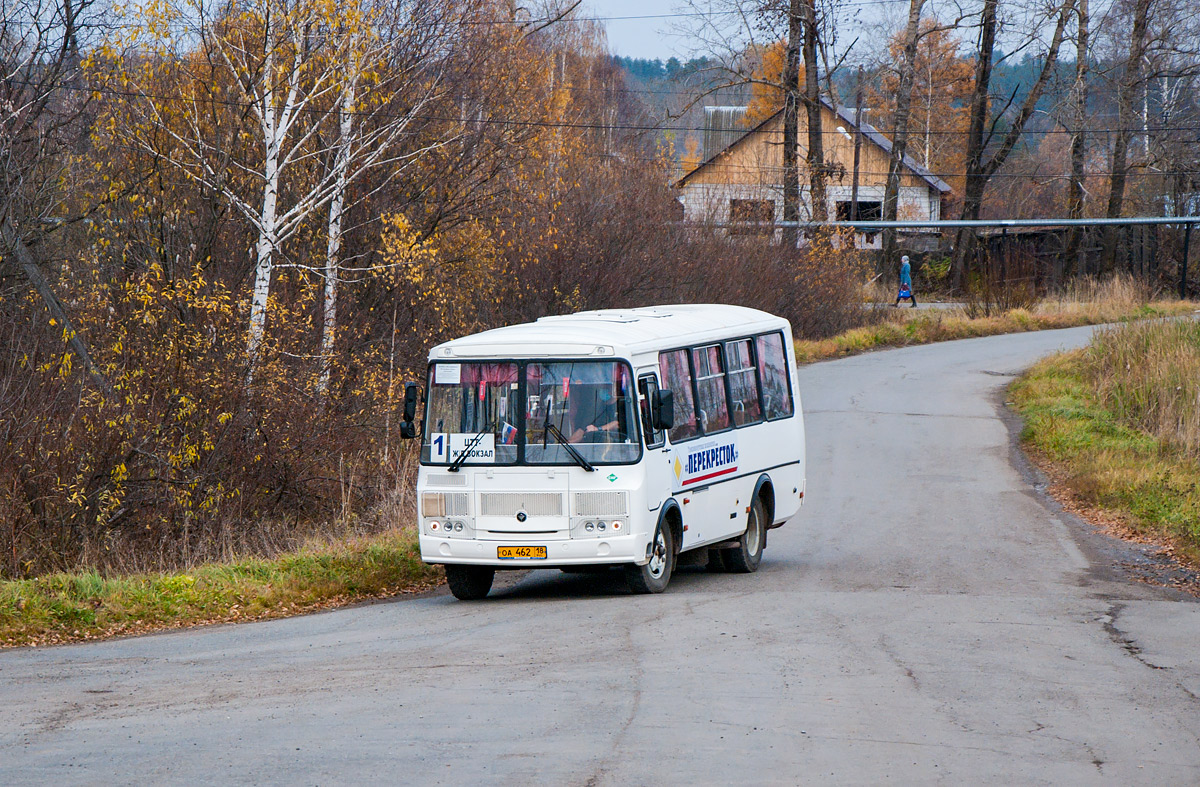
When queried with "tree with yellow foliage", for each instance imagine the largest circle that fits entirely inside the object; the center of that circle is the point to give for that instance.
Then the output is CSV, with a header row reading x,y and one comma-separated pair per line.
x,y
306,86
941,87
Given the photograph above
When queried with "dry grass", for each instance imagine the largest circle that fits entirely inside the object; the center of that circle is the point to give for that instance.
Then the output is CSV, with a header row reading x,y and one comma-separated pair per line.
x,y
1117,295
1085,303
1148,375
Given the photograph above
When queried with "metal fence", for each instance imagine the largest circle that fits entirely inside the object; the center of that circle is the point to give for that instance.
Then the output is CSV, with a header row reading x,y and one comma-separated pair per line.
x,y
1049,251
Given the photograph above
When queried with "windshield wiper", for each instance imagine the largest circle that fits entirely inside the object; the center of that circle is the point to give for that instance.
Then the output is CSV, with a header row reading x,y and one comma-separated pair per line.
x,y
578,457
462,457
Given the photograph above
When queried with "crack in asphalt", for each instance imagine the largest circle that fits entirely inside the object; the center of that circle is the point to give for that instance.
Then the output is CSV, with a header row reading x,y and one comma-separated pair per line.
x,y
1127,643
1130,645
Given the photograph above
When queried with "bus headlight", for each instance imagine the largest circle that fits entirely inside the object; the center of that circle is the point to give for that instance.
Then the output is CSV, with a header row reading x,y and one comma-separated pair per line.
x,y
433,504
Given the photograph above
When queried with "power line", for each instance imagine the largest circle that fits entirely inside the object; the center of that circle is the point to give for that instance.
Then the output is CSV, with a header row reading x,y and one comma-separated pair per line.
x,y
583,126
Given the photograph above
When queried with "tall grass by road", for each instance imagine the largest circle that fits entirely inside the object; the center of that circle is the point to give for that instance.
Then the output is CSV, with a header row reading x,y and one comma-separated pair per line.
x,y
1119,424
85,604
1148,374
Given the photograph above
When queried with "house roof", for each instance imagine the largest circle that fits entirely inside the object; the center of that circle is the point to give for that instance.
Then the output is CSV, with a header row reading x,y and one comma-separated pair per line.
x,y
869,132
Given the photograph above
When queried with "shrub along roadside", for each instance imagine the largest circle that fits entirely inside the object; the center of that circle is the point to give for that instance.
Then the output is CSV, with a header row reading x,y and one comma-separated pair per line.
x,y
85,605
1147,484
926,327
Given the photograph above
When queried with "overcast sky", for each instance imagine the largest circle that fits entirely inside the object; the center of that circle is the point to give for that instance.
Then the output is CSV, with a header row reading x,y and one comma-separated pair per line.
x,y
649,28
648,38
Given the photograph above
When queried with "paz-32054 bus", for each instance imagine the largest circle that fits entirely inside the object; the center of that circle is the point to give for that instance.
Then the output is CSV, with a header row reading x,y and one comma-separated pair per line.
x,y
621,438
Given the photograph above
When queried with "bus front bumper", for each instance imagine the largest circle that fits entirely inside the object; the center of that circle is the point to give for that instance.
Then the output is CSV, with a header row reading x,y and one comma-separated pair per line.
x,y
575,552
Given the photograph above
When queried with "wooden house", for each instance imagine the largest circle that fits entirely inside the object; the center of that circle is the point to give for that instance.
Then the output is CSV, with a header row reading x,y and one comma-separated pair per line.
x,y
740,180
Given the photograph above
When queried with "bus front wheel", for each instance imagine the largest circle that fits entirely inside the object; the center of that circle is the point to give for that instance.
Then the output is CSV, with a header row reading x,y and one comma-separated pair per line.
x,y
745,557
469,583
656,574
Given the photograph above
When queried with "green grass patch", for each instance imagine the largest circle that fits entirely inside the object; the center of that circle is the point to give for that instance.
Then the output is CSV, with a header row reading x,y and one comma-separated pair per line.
x,y
908,327
85,605
1150,484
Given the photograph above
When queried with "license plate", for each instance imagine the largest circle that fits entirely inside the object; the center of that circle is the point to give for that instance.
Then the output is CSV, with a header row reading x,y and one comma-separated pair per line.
x,y
521,553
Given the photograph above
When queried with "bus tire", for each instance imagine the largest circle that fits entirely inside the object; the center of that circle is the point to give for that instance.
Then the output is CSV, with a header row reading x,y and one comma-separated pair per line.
x,y
470,583
656,574
745,557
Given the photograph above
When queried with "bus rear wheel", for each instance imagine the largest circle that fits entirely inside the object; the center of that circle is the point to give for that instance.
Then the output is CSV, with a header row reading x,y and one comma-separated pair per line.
x,y
656,574
745,557
470,583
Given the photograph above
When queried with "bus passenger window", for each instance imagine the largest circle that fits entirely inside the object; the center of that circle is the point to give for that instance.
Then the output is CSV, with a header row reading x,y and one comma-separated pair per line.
x,y
677,378
710,386
773,371
743,383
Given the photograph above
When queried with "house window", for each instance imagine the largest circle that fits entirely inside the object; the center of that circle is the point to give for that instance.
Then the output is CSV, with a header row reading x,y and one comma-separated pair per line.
x,y
756,216
867,211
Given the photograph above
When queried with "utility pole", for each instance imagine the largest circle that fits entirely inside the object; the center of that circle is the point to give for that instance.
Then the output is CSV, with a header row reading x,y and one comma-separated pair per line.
x,y
817,173
858,98
1075,191
791,119
1187,241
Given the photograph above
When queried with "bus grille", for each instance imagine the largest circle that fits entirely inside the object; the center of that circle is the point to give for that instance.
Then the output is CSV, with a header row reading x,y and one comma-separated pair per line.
x,y
509,503
601,503
446,479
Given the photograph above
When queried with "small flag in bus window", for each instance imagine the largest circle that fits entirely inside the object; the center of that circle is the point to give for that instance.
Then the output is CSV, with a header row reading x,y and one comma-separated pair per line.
x,y
482,390
508,434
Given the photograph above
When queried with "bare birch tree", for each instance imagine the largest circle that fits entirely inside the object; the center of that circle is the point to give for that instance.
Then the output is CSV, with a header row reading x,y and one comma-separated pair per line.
x,y
292,70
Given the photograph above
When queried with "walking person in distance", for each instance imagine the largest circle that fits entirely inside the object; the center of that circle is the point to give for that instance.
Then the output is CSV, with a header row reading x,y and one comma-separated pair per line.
x,y
905,283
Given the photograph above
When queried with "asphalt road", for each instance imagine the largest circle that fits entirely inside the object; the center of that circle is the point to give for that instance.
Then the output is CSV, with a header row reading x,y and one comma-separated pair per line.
x,y
929,617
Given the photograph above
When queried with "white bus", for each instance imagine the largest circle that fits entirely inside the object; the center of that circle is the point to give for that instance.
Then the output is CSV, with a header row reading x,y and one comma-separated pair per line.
x,y
609,438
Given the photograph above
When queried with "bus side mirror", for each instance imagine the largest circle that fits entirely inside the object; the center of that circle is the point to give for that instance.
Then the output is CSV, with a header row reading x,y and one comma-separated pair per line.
x,y
662,410
408,429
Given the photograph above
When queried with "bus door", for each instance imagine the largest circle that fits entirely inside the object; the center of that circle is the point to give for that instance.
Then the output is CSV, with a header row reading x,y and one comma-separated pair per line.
x,y
657,462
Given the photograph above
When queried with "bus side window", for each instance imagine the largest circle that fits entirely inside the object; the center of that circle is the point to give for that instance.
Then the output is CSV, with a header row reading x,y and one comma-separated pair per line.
x,y
647,386
773,371
743,383
710,385
677,378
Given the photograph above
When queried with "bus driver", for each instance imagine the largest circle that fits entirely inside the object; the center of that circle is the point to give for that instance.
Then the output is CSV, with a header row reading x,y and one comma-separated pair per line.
x,y
601,417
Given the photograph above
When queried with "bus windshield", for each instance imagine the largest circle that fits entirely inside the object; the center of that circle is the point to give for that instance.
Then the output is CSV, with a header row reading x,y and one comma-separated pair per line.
x,y
497,412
